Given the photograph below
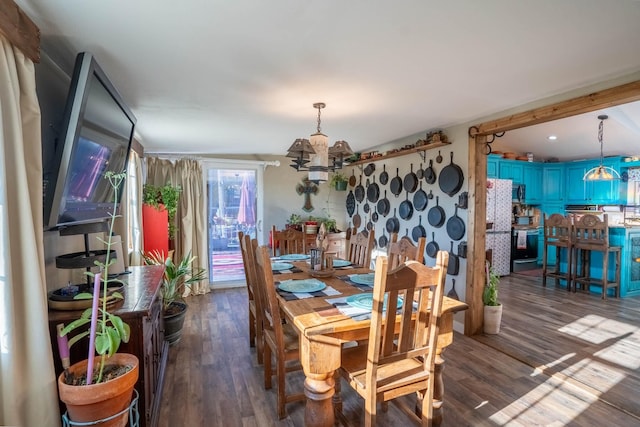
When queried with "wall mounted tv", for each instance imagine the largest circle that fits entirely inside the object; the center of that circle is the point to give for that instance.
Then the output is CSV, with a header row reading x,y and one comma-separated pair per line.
x,y
97,130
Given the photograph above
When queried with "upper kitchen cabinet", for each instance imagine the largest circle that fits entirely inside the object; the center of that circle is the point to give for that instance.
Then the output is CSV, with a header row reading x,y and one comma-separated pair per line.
x,y
592,192
511,169
532,179
553,188
493,161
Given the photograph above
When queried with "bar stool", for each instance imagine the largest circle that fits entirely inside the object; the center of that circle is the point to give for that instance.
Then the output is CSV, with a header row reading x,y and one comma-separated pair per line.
x,y
558,231
592,234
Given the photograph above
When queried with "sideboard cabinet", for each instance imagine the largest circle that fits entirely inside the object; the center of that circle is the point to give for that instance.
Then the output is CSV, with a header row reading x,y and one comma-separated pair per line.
x,y
141,309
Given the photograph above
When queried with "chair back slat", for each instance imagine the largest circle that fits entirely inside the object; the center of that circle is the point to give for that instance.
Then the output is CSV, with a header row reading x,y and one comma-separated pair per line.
x,y
557,227
591,231
404,249
266,287
288,241
360,247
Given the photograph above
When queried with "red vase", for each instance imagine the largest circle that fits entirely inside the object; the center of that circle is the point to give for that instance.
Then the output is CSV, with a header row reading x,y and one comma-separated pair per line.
x,y
155,225
95,402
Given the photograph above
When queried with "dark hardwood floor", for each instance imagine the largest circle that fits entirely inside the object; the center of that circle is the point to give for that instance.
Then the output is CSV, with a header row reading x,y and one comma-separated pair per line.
x,y
560,359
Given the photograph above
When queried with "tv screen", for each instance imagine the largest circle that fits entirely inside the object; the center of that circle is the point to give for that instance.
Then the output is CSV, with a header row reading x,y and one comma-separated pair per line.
x,y
98,129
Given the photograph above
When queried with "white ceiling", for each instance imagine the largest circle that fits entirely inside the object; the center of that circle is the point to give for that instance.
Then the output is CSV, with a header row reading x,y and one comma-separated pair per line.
x,y
239,77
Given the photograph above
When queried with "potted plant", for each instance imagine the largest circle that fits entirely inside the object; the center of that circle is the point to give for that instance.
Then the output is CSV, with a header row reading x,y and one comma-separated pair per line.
x,y
492,307
176,278
339,181
105,392
294,222
159,207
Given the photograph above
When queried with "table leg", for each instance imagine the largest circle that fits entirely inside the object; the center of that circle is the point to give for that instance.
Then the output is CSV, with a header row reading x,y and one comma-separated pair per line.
x,y
319,389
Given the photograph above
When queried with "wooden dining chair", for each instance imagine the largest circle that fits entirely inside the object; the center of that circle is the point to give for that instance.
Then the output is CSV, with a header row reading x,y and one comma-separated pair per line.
x,y
403,250
280,339
360,247
255,303
395,364
287,241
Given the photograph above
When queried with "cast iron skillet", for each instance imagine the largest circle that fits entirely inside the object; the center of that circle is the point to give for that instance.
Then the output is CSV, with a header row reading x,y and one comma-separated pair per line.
x,y
382,241
420,173
452,293
454,262
432,246
418,231
393,224
436,214
359,191
351,203
430,173
396,184
369,169
406,208
411,181
455,226
374,215
451,178
383,205
356,219
420,199
366,208
352,178
373,191
384,176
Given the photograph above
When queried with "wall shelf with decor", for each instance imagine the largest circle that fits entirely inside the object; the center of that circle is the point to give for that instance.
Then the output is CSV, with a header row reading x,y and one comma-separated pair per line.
x,y
403,152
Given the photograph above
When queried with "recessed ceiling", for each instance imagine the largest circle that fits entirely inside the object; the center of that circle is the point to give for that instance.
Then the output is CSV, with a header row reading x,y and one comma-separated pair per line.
x,y
240,77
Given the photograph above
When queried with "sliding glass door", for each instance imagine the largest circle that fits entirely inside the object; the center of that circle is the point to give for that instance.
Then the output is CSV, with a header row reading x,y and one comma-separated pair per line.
x,y
234,204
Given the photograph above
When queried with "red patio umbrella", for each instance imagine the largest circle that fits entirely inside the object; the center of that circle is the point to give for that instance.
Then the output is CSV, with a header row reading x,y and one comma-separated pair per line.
x,y
246,210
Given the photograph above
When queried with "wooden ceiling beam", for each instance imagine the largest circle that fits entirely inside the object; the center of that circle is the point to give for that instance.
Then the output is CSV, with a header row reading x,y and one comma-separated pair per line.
x,y
19,29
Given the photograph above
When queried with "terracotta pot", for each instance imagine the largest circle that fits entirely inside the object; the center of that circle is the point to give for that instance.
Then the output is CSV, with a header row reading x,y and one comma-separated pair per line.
x,y
492,319
95,402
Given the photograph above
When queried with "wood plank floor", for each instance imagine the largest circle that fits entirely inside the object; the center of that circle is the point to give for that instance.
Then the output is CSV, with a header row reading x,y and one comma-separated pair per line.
x,y
560,359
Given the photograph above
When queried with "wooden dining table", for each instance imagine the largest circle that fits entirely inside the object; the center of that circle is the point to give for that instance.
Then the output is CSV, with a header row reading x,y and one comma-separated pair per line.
x,y
323,330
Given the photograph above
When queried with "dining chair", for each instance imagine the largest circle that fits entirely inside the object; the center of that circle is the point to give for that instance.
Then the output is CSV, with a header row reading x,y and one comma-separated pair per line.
x,y
280,339
403,250
360,247
255,303
287,241
395,364
558,234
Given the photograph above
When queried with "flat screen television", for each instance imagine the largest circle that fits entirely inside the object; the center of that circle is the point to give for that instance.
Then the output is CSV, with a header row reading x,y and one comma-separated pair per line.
x,y
96,131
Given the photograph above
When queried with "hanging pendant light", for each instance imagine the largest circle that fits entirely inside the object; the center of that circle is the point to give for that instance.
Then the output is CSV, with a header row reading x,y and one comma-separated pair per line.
x,y
601,172
313,155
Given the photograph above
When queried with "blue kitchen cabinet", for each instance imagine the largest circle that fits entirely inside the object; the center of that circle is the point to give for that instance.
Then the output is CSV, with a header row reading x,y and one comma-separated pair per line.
x,y
511,169
532,179
553,188
493,161
630,266
576,189
593,192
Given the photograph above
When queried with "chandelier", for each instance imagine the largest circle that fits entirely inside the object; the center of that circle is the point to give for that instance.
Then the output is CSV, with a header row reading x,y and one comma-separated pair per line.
x,y
601,172
313,155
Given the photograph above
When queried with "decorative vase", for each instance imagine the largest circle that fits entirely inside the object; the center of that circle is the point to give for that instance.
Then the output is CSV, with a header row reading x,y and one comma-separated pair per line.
x,y
155,224
96,402
492,319
174,321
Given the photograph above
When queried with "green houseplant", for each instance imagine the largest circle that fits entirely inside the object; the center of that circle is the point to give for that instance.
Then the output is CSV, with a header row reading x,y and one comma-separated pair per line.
x,y
163,196
492,307
96,394
176,278
338,181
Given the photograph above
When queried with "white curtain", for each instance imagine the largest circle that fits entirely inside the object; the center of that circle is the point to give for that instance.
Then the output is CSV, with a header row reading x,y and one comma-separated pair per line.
x,y
28,388
133,193
191,214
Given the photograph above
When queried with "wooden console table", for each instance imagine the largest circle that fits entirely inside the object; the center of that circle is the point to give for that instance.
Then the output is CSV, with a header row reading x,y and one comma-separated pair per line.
x,y
142,311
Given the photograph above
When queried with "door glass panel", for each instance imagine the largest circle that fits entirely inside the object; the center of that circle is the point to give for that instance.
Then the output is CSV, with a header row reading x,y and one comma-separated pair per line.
x,y
231,207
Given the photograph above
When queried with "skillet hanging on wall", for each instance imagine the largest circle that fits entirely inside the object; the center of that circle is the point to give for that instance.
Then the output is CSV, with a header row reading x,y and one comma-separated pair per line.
x,y
432,246
382,241
406,209
455,226
359,192
418,231
410,181
383,205
451,178
430,173
396,184
420,199
393,224
384,176
351,203
436,214
373,191
454,263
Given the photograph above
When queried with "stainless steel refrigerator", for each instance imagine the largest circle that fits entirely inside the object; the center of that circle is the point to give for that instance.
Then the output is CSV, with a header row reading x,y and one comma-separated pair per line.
x,y
499,210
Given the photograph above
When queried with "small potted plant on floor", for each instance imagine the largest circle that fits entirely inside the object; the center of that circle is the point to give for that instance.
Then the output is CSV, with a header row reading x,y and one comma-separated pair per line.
x,y
177,278
492,307
104,392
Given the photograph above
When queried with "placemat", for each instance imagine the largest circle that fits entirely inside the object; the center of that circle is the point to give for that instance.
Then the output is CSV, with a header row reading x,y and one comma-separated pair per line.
x,y
347,310
291,296
289,271
348,280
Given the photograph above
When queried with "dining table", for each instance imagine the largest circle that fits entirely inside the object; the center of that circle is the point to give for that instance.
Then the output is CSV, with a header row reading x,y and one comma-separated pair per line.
x,y
324,324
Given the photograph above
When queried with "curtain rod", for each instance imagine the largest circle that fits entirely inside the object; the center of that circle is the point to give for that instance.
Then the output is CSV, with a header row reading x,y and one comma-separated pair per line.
x,y
177,156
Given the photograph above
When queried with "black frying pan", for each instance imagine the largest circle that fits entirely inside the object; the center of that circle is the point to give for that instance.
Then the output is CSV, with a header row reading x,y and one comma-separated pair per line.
x,y
418,231
436,214
393,224
351,203
452,292
374,215
356,219
396,184
430,173
420,199
384,176
432,246
383,240
366,208
439,157
420,173
359,191
455,226
411,181
406,208
373,191
369,169
352,178
383,205
451,178
454,263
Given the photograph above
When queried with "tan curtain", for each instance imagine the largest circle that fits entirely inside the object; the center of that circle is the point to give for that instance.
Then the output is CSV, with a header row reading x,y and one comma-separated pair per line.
x,y
29,395
191,214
